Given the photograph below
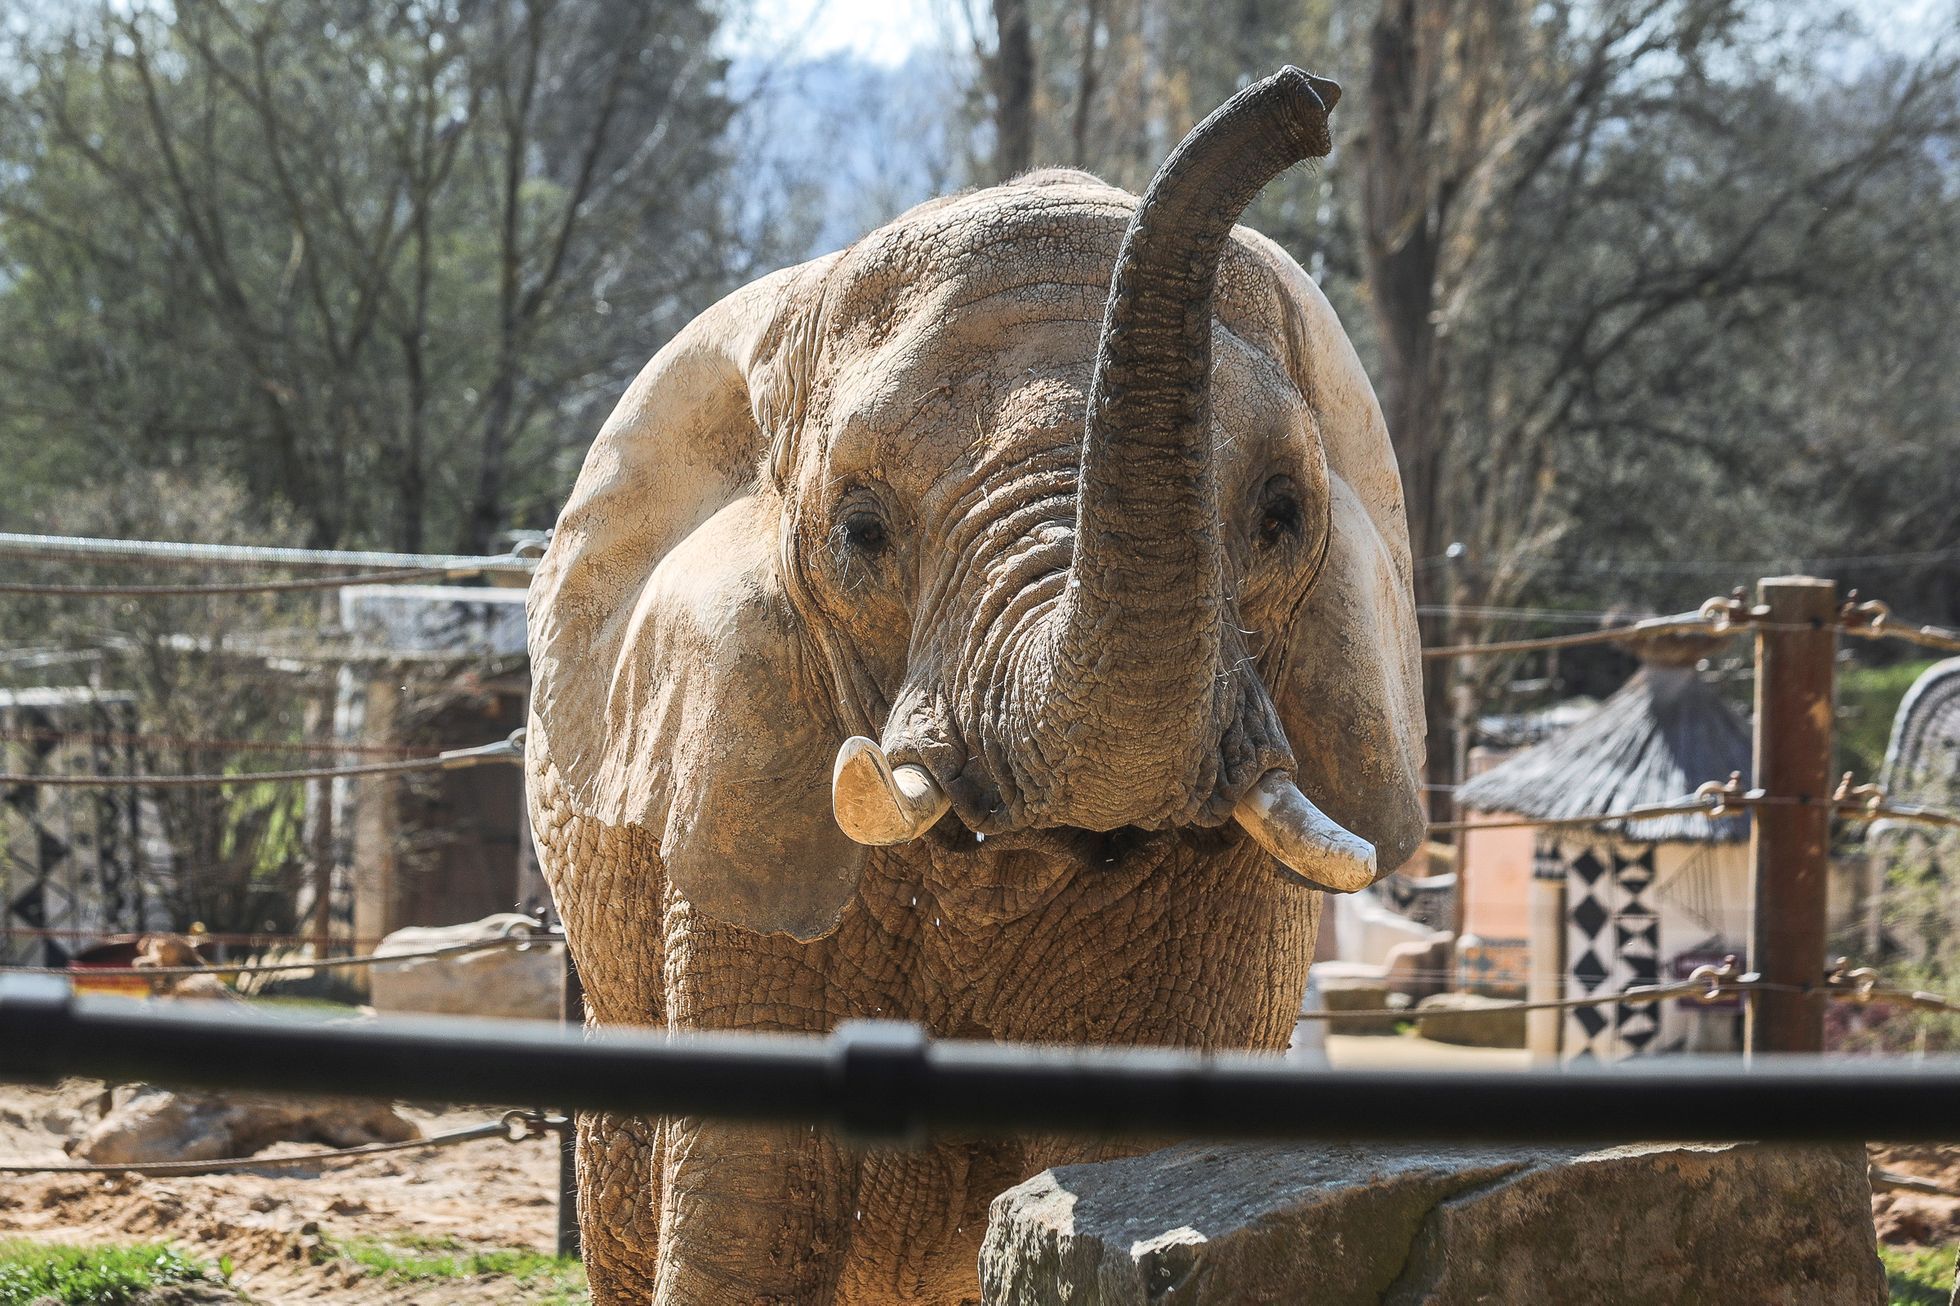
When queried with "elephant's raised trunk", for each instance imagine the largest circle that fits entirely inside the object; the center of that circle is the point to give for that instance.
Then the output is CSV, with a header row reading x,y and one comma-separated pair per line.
x,y
1138,639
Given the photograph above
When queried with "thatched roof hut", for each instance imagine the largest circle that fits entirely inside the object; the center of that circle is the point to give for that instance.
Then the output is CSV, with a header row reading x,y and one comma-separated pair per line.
x,y
1665,732
1588,910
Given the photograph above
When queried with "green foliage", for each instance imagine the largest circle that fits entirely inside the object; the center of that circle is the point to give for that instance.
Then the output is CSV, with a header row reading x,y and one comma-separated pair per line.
x,y
384,265
1918,1276
1868,699
413,1258
90,1275
243,842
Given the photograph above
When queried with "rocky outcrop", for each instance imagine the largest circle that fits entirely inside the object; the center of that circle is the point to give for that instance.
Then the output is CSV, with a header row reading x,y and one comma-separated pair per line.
x,y
1329,1225
152,1124
511,982
1472,1020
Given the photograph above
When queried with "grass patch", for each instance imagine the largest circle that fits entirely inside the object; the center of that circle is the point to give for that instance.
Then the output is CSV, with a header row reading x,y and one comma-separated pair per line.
x,y
92,1275
1918,1276
414,1258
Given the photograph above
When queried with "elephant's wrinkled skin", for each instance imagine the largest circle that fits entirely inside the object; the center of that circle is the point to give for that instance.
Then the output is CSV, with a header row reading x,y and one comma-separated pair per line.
x,y
1102,601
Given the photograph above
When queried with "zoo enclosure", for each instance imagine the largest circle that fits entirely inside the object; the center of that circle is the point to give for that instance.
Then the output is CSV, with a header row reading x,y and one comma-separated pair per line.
x,y
872,1080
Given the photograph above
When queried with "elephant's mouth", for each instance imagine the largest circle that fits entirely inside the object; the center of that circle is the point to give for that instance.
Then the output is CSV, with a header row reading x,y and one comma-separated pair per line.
x,y
878,804
1086,848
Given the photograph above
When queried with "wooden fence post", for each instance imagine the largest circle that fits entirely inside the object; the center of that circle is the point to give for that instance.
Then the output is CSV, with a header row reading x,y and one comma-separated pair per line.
x,y
1789,844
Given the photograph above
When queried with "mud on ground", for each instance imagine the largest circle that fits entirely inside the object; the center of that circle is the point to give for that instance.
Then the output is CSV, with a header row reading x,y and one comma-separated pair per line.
x,y
288,1232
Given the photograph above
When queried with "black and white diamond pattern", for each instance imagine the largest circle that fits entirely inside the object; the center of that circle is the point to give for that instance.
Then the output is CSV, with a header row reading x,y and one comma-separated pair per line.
x,y
69,866
1613,938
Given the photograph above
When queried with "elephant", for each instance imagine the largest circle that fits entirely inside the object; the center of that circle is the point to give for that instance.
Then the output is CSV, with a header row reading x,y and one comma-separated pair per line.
x,y
1003,624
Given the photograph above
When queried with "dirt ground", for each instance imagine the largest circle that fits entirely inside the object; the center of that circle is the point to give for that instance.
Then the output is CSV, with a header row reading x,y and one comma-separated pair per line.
x,y
285,1231
281,1227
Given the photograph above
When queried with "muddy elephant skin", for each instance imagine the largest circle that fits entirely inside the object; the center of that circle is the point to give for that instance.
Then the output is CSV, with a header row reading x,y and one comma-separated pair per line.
x,y
1002,624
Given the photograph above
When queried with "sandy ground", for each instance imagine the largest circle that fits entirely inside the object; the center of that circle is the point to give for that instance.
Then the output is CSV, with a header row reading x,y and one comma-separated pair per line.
x,y
279,1227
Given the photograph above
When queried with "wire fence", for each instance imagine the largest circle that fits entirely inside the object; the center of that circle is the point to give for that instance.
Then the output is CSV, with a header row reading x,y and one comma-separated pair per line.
x,y
519,938
1719,617
364,564
512,1126
510,750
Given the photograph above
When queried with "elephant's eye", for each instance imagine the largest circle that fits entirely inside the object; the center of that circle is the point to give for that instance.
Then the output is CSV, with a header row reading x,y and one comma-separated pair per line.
x,y
1280,516
866,532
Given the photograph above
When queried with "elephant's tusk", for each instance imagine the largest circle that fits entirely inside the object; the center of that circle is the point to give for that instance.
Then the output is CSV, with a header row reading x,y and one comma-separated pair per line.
x,y
876,803
1309,844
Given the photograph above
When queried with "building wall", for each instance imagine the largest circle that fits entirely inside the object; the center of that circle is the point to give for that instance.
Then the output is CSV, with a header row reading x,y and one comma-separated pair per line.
x,y
1648,914
74,867
1497,908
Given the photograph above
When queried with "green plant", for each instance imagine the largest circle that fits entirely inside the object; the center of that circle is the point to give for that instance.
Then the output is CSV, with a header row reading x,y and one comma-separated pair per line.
x,y
1918,1276
91,1275
412,1258
1868,698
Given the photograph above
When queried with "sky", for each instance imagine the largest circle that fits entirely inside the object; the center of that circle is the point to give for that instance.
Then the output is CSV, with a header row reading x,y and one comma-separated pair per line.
x,y
880,31
886,31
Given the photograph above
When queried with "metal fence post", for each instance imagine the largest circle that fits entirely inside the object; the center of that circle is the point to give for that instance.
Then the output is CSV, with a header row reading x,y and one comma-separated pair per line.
x,y
1789,843
574,1018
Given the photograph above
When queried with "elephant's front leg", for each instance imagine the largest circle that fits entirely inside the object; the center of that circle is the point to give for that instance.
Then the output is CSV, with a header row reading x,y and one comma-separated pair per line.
x,y
749,1212
619,1210
752,1213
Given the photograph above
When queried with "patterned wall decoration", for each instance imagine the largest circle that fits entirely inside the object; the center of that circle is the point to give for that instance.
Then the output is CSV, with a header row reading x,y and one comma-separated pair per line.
x,y
1646,913
72,863
1613,941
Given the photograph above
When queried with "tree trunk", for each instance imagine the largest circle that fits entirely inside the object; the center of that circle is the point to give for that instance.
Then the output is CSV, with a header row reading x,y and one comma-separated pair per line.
x,y
1013,79
1401,221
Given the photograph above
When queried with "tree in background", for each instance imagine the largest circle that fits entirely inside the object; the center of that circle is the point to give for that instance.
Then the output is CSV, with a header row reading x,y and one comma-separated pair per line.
x,y
1641,283
382,263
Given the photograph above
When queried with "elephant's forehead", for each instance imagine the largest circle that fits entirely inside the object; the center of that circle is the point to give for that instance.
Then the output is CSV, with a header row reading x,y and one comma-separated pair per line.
x,y
962,273
973,327
909,414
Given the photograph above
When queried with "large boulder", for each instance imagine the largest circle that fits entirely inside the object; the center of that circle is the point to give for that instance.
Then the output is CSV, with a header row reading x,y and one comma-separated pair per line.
x,y
1357,998
523,983
1472,1020
1332,1224
152,1124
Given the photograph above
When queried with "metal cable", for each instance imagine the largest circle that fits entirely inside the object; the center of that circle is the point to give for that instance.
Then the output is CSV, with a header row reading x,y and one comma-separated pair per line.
x,y
71,548
1690,624
507,750
1873,619
275,967
533,1124
288,585
1912,1183
1710,806
184,743
1621,997
1707,984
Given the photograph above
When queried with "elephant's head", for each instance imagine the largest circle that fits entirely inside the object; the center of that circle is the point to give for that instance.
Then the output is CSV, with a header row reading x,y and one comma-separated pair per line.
x,y
1039,512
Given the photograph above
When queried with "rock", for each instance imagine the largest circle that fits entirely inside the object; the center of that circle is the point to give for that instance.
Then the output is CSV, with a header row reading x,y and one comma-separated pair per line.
x,y
1345,986
525,984
1418,969
1329,1225
154,1124
1459,1018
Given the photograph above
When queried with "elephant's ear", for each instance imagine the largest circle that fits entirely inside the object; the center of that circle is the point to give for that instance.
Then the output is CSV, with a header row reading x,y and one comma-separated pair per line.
x,y
1350,692
670,684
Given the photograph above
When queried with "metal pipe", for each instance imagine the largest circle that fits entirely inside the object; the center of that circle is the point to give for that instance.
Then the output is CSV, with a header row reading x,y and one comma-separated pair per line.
x,y
887,1081
572,1016
75,548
